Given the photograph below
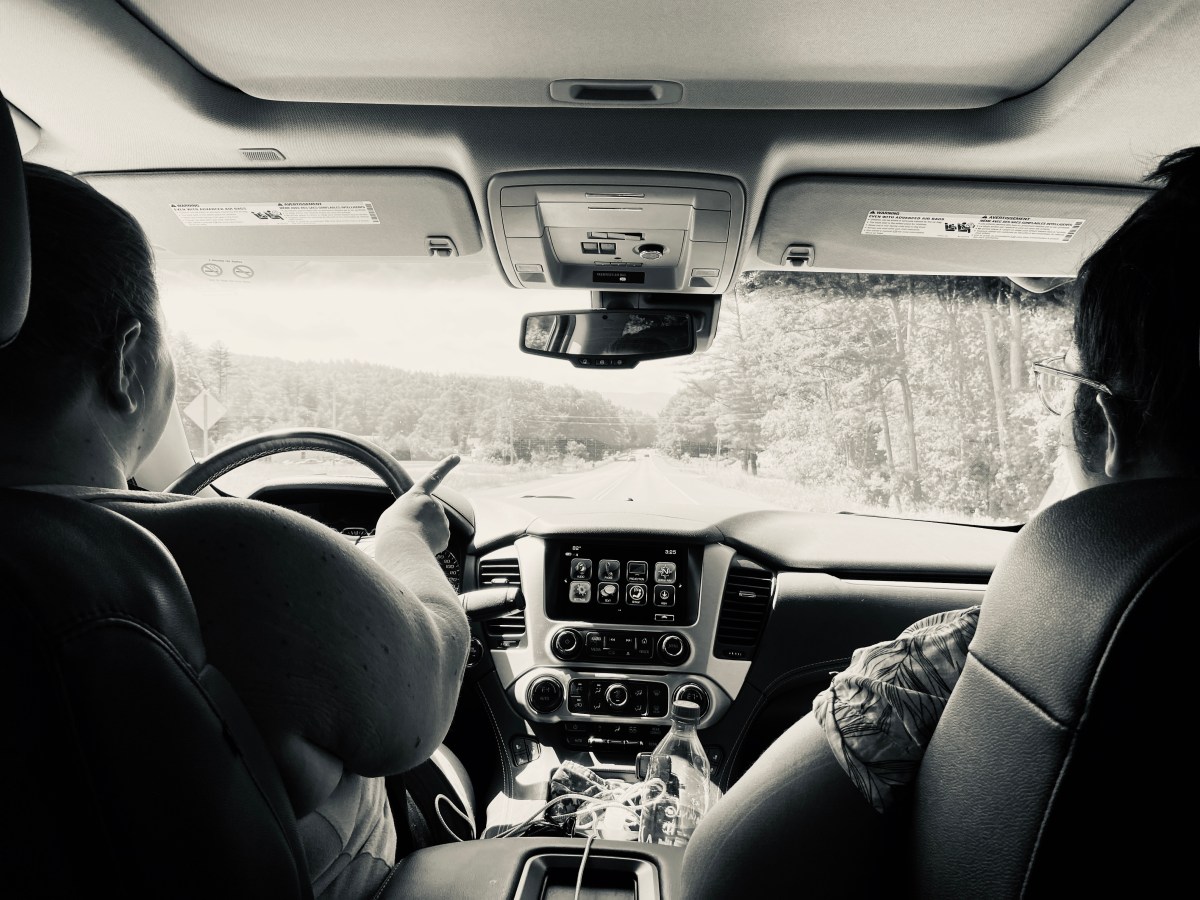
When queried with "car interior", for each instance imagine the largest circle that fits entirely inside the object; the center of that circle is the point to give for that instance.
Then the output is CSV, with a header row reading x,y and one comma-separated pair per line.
x,y
647,154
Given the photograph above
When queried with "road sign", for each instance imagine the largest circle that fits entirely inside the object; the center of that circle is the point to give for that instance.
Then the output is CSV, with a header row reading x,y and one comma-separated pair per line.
x,y
206,410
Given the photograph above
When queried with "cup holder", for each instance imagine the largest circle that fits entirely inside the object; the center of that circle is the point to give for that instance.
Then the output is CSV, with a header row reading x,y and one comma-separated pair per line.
x,y
551,876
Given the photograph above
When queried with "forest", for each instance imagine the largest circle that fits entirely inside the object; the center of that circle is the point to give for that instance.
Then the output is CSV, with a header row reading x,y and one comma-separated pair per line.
x,y
907,393
911,394
413,415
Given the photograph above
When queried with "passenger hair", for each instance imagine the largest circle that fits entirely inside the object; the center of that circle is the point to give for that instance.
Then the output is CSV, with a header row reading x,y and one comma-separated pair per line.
x,y
92,274
1137,321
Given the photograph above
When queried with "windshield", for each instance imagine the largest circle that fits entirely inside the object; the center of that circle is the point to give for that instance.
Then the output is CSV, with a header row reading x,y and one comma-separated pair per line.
x,y
895,395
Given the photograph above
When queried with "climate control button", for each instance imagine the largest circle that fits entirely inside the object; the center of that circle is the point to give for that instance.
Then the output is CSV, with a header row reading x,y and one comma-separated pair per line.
x,y
696,694
617,695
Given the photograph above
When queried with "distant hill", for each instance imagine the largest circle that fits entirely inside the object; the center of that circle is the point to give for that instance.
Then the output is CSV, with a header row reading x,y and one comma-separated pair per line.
x,y
412,414
649,402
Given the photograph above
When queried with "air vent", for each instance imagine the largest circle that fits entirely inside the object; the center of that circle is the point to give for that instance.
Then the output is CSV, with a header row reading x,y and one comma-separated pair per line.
x,y
262,154
744,608
499,573
505,631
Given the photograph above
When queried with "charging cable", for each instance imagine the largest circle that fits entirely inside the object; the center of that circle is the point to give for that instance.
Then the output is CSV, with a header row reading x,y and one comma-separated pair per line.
x,y
437,801
587,848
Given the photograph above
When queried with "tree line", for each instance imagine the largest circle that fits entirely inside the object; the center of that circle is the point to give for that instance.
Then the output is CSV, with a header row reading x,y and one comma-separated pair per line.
x,y
413,415
912,393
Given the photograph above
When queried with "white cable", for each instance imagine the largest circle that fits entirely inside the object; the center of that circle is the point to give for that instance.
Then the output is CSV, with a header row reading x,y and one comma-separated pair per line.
x,y
537,815
587,848
462,815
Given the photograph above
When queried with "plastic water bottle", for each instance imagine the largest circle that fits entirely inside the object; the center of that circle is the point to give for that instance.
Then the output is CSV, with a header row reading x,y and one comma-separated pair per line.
x,y
678,790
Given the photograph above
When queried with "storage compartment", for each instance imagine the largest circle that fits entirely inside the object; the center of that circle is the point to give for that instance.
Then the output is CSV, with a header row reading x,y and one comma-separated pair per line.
x,y
553,876
541,868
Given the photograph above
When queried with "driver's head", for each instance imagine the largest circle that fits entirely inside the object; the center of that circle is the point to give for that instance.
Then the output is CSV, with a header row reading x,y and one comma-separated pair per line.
x,y
91,362
1137,330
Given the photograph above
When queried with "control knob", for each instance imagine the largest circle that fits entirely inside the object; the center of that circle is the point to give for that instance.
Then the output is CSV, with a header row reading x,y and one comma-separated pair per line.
x,y
617,695
696,694
567,644
545,694
474,653
672,646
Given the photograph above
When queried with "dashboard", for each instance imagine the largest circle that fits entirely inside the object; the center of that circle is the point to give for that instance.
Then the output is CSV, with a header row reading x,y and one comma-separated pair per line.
x,y
352,506
746,613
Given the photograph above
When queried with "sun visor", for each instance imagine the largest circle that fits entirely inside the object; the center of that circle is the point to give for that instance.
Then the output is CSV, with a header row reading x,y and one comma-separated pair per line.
x,y
830,223
304,213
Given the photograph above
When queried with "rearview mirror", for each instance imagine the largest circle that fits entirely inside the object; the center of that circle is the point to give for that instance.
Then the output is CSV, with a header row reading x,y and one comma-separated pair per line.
x,y
608,338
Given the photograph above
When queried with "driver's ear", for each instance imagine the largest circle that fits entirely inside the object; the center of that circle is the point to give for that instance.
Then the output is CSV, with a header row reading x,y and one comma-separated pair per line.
x,y
1120,454
122,382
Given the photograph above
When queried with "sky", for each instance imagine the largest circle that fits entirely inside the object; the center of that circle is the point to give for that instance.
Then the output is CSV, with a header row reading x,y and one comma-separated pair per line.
x,y
440,316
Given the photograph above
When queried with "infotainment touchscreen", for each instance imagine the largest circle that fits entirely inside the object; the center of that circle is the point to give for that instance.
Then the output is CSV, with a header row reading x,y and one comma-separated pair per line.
x,y
634,582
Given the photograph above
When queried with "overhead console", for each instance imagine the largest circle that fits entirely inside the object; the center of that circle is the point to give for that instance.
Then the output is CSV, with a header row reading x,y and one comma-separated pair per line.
x,y
928,226
622,232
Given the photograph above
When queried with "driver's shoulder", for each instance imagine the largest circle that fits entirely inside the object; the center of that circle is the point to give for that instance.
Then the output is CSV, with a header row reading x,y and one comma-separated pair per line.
x,y
223,523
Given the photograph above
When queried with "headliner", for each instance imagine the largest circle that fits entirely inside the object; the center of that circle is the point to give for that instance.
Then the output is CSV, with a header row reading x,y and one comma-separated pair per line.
x,y
109,94
809,54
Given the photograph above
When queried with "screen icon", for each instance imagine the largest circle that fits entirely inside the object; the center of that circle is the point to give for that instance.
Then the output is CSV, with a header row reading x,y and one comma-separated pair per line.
x,y
664,595
581,569
635,594
664,573
581,592
610,570
608,593
636,570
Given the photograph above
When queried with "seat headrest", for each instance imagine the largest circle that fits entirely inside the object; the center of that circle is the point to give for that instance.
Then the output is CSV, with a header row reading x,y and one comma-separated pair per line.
x,y
14,231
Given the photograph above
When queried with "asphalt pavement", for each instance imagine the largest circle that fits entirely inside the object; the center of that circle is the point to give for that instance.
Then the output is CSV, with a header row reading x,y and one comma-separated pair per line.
x,y
647,479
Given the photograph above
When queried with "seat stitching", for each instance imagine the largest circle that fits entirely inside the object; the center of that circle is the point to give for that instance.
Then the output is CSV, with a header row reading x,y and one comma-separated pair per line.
x,y
508,787
1020,693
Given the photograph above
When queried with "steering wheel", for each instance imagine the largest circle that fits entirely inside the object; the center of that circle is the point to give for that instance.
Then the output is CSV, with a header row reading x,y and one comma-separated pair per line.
x,y
375,458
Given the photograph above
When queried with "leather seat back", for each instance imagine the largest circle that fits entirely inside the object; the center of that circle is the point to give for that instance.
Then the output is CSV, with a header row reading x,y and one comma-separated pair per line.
x,y
1060,748
132,767
14,232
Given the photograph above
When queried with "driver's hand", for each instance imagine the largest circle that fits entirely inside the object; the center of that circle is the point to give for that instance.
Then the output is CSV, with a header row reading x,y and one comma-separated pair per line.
x,y
417,512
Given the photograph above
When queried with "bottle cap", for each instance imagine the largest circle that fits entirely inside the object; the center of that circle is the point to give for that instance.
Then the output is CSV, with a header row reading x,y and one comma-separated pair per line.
x,y
685,711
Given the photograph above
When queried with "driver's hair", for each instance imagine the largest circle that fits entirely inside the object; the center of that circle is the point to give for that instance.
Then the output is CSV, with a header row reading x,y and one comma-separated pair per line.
x,y
1137,322
92,272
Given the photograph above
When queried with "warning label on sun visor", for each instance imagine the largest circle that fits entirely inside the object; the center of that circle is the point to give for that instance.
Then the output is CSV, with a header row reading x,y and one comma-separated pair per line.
x,y
338,212
965,226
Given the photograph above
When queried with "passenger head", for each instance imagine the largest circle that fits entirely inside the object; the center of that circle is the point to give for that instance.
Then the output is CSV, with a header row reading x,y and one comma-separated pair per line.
x,y
92,353
1137,330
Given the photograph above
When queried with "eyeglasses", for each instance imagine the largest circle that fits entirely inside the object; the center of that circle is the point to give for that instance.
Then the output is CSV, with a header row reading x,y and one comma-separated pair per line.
x,y
1055,384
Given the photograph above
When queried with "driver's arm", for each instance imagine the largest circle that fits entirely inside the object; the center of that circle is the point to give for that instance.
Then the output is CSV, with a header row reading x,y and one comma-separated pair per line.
x,y
339,660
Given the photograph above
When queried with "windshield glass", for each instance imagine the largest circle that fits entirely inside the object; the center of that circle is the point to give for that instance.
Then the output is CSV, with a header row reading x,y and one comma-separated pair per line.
x,y
895,395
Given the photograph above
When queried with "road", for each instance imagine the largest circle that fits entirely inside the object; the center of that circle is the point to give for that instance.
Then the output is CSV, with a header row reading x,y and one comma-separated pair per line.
x,y
647,479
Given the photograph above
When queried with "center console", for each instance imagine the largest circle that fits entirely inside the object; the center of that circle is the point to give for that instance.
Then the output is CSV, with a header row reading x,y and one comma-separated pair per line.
x,y
616,628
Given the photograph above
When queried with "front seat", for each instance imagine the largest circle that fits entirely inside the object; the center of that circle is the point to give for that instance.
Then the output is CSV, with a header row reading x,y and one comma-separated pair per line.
x,y
131,768
1060,763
